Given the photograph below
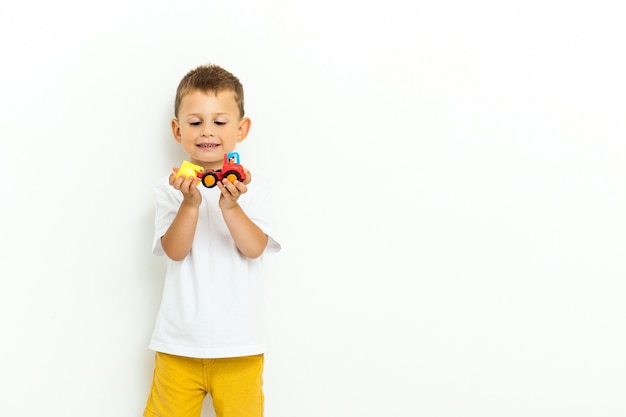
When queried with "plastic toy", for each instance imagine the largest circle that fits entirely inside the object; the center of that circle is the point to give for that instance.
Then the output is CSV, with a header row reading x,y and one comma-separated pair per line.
x,y
189,170
231,170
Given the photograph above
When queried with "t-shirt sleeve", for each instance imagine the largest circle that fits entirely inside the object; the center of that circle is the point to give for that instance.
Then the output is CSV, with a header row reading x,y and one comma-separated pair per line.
x,y
167,202
261,212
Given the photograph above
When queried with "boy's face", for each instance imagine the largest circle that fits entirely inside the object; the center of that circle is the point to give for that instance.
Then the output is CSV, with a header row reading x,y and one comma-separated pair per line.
x,y
208,126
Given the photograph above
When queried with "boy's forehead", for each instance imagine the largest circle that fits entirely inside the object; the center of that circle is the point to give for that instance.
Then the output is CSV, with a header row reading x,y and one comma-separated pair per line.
x,y
224,97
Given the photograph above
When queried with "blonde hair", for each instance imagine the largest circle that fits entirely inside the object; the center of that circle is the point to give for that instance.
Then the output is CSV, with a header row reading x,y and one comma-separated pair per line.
x,y
209,78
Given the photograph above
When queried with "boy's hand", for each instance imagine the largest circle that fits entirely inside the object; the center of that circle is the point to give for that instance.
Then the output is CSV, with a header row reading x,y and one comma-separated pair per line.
x,y
231,191
188,186
248,176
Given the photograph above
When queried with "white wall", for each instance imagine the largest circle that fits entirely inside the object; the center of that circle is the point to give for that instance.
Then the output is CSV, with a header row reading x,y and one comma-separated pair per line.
x,y
450,189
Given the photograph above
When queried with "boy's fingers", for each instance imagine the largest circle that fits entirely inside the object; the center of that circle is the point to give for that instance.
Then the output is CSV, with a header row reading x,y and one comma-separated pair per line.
x,y
189,183
241,187
228,188
175,181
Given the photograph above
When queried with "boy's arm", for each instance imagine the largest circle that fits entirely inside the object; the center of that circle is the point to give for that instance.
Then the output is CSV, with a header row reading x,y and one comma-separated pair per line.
x,y
249,238
177,240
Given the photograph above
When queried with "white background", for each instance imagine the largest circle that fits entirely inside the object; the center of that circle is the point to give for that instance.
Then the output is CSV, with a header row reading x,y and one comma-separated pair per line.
x,y
449,186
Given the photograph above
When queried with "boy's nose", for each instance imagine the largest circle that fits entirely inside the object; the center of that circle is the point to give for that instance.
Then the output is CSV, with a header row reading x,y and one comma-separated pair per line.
x,y
206,132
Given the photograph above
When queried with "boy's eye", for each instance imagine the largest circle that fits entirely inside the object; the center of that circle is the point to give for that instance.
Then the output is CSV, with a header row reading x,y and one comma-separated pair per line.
x,y
219,123
195,123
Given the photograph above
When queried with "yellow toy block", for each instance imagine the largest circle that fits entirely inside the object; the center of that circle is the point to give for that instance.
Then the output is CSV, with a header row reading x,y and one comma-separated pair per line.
x,y
190,170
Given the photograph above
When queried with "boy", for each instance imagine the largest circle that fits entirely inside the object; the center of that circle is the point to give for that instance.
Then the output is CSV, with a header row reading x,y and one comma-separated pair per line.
x,y
209,335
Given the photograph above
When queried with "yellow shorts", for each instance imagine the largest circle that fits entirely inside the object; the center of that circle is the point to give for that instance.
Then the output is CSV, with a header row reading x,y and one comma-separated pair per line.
x,y
180,384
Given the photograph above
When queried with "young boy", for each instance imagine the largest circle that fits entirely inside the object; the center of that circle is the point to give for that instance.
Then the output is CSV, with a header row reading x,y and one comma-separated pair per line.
x,y
209,335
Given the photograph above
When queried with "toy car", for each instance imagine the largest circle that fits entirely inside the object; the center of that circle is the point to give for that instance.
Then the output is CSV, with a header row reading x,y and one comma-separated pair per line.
x,y
231,170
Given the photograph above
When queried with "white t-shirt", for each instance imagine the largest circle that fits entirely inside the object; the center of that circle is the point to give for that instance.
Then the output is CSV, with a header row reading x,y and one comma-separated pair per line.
x,y
213,302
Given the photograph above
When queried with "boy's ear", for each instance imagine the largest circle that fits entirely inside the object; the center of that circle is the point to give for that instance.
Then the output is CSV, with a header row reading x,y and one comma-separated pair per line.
x,y
176,130
244,128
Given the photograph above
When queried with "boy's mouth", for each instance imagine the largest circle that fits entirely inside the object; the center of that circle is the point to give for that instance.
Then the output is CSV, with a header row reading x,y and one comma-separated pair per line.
x,y
208,145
